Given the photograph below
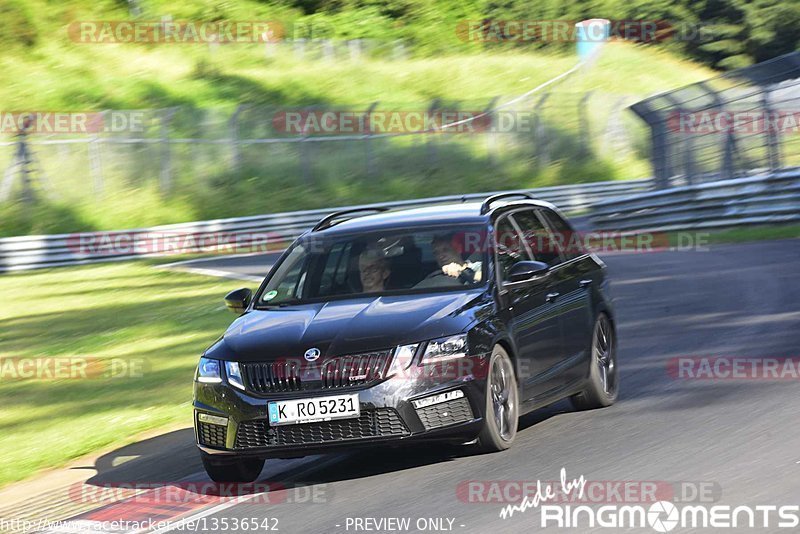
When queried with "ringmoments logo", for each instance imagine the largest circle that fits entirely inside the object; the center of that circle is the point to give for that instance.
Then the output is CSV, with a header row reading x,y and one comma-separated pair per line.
x,y
660,516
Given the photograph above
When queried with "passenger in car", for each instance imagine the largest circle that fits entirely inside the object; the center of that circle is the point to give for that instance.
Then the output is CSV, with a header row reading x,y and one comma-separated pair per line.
x,y
374,270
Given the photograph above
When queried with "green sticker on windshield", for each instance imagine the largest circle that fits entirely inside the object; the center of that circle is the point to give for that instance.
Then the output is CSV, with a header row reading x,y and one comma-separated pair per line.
x,y
269,295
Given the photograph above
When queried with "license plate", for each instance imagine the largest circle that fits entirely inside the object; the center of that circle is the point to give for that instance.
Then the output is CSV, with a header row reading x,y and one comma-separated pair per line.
x,y
290,412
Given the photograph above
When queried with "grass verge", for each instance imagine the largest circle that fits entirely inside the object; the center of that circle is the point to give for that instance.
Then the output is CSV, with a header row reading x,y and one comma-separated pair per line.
x,y
132,313
755,233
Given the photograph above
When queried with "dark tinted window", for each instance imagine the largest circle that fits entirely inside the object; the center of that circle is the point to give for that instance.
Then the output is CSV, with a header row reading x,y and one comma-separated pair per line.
x,y
381,262
568,240
509,247
538,239
337,265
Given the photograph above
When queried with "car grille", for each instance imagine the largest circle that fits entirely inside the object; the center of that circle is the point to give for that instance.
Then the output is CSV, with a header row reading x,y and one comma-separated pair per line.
x,y
358,369
272,377
334,373
446,413
383,422
212,435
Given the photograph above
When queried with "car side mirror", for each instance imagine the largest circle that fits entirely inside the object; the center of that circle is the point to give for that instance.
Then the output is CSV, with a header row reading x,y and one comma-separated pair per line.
x,y
238,300
526,270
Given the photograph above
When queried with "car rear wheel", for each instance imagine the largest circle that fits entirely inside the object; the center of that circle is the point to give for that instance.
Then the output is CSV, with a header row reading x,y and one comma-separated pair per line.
x,y
502,404
232,470
603,384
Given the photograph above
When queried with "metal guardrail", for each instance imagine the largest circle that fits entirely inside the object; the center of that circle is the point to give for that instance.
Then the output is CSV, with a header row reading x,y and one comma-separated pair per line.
x,y
766,199
36,252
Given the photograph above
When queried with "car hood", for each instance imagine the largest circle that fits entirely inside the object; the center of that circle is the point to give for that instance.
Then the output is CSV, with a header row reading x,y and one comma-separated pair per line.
x,y
345,326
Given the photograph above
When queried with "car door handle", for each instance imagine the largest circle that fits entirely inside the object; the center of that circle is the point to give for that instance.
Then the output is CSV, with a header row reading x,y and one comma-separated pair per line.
x,y
585,283
552,296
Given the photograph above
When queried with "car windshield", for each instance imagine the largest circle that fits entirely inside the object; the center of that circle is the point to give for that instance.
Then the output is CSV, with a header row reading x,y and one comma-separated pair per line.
x,y
397,261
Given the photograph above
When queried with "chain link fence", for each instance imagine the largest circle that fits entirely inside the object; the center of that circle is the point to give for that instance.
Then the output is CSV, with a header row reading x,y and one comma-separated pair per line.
x,y
741,123
187,151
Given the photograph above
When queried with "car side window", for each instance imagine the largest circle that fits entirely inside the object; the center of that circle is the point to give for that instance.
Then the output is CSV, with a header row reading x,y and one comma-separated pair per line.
x,y
537,237
508,246
291,276
568,240
334,274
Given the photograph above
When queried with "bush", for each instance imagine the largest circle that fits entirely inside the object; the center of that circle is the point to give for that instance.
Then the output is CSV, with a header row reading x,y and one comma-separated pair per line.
x,y
18,27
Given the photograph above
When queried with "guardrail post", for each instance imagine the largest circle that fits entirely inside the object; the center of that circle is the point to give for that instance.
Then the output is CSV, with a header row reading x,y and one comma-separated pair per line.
x,y
583,125
133,8
304,155
772,135
727,169
539,139
399,50
166,150
368,140
431,144
24,161
354,47
491,135
300,49
661,167
233,128
688,157
328,52
96,161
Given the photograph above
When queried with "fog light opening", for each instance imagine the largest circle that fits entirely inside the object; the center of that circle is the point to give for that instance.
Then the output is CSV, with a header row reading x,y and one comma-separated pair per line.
x,y
438,399
212,419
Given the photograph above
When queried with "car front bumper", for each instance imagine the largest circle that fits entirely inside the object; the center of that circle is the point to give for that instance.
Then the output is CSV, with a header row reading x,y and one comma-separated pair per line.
x,y
388,416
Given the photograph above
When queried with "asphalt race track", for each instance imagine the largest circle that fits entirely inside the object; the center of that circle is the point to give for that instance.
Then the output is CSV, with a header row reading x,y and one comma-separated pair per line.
x,y
736,441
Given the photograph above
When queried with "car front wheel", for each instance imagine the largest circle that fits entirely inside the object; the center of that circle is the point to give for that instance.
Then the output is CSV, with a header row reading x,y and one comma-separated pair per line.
x,y
502,404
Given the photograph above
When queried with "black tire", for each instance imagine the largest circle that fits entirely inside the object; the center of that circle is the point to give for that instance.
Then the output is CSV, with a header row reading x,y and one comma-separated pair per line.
x,y
502,404
602,386
232,470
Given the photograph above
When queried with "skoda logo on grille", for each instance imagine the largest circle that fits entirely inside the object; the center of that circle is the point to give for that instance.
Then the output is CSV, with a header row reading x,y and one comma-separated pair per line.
x,y
312,354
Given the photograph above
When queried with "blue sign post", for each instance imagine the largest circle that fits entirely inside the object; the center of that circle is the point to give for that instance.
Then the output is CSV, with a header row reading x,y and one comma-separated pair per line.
x,y
590,36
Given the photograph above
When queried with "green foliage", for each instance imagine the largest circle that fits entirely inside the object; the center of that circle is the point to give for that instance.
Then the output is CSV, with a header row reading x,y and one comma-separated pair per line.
x,y
738,33
721,33
40,217
17,24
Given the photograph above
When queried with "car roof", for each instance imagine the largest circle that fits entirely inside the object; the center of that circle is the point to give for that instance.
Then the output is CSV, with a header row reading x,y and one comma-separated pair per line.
x,y
467,213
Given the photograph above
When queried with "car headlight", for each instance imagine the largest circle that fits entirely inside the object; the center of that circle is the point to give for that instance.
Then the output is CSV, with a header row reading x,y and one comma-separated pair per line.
x,y
446,348
403,356
234,374
208,371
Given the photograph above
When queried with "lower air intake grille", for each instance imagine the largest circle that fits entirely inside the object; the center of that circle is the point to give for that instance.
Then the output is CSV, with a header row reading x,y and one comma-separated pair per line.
x,y
446,413
212,435
383,422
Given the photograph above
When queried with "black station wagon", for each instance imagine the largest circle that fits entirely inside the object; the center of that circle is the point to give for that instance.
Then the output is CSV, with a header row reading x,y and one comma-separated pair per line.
x,y
379,327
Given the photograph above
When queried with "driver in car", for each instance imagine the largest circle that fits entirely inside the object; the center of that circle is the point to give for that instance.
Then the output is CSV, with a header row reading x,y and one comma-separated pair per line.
x,y
451,263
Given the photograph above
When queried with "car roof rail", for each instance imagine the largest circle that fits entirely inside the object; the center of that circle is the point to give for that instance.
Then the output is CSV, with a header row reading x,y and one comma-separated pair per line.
x,y
333,218
487,204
